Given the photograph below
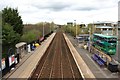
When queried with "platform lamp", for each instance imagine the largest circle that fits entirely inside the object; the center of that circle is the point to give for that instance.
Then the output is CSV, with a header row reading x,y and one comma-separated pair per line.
x,y
43,29
76,27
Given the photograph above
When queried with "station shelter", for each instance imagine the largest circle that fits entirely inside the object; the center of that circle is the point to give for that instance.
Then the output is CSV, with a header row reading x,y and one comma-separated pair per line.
x,y
21,49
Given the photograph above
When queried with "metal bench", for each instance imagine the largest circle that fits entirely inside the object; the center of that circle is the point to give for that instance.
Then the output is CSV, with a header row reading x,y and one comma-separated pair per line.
x,y
94,57
102,60
98,59
99,62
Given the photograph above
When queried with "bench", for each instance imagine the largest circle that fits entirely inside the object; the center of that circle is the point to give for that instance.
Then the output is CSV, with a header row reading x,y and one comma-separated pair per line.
x,y
97,56
94,57
100,63
98,59
102,60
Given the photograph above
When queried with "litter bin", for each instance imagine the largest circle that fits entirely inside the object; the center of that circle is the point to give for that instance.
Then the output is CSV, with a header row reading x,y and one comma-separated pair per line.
x,y
113,67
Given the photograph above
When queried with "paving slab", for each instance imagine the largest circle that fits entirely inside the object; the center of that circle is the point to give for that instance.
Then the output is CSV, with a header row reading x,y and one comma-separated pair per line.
x,y
83,68
25,70
99,72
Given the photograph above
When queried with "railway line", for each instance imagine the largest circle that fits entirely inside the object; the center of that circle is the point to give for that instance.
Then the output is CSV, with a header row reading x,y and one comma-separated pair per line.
x,y
57,62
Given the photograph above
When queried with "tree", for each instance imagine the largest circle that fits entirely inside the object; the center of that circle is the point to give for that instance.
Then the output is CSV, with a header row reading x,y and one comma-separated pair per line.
x,y
9,36
30,36
11,16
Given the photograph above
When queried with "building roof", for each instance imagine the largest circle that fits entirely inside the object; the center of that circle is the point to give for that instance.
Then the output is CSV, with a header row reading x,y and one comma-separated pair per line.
x,y
20,44
106,36
103,27
102,22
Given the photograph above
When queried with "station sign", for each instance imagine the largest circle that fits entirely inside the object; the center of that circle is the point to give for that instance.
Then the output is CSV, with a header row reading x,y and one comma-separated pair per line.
x,y
3,63
11,60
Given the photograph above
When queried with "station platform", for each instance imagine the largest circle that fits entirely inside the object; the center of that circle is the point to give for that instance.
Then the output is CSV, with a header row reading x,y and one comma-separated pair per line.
x,y
86,66
99,72
83,68
29,62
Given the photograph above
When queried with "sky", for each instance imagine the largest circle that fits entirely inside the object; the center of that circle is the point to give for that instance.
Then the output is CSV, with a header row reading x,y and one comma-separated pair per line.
x,y
63,11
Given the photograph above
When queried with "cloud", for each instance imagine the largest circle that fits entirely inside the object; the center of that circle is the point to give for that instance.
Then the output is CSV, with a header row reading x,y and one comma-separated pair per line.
x,y
33,11
53,6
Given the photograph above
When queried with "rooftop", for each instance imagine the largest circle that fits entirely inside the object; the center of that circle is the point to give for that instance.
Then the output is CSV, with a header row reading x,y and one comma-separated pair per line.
x,y
103,22
101,35
103,27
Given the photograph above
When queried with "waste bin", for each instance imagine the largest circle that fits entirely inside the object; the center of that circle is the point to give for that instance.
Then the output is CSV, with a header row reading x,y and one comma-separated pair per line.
x,y
113,67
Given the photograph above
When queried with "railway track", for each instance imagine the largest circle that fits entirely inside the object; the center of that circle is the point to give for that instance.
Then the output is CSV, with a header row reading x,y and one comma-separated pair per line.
x,y
57,62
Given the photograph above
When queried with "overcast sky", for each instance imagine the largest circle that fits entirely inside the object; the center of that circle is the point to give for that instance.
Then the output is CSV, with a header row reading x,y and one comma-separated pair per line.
x,y
63,11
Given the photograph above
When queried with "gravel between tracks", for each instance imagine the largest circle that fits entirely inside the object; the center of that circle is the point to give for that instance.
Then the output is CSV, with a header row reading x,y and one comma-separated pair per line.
x,y
57,62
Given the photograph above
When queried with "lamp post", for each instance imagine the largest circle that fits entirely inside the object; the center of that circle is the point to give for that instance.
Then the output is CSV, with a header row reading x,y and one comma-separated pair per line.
x,y
43,29
118,42
89,44
50,27
76,28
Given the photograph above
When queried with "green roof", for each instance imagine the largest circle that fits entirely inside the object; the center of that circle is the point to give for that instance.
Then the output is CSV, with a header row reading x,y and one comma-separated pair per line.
x,y
105,36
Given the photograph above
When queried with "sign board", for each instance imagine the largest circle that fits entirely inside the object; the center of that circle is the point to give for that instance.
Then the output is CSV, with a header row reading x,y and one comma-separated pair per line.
x,y
41,39
16,61
29,50
3,63
11,60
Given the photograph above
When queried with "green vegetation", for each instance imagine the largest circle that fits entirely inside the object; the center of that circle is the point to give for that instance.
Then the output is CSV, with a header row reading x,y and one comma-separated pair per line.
x,y
48,27
11,29
33,32
11,16
30,36
91,27
10,37
72,29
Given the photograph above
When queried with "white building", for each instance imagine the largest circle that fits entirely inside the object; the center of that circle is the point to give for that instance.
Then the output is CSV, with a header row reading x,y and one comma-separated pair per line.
x,y
106,30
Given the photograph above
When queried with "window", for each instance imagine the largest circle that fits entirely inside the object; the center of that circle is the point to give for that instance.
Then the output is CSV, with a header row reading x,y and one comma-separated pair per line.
x,y
104,29
112,40
110,28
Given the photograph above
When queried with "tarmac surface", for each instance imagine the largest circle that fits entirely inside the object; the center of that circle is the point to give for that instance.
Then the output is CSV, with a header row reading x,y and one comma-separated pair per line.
x,y
99,72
